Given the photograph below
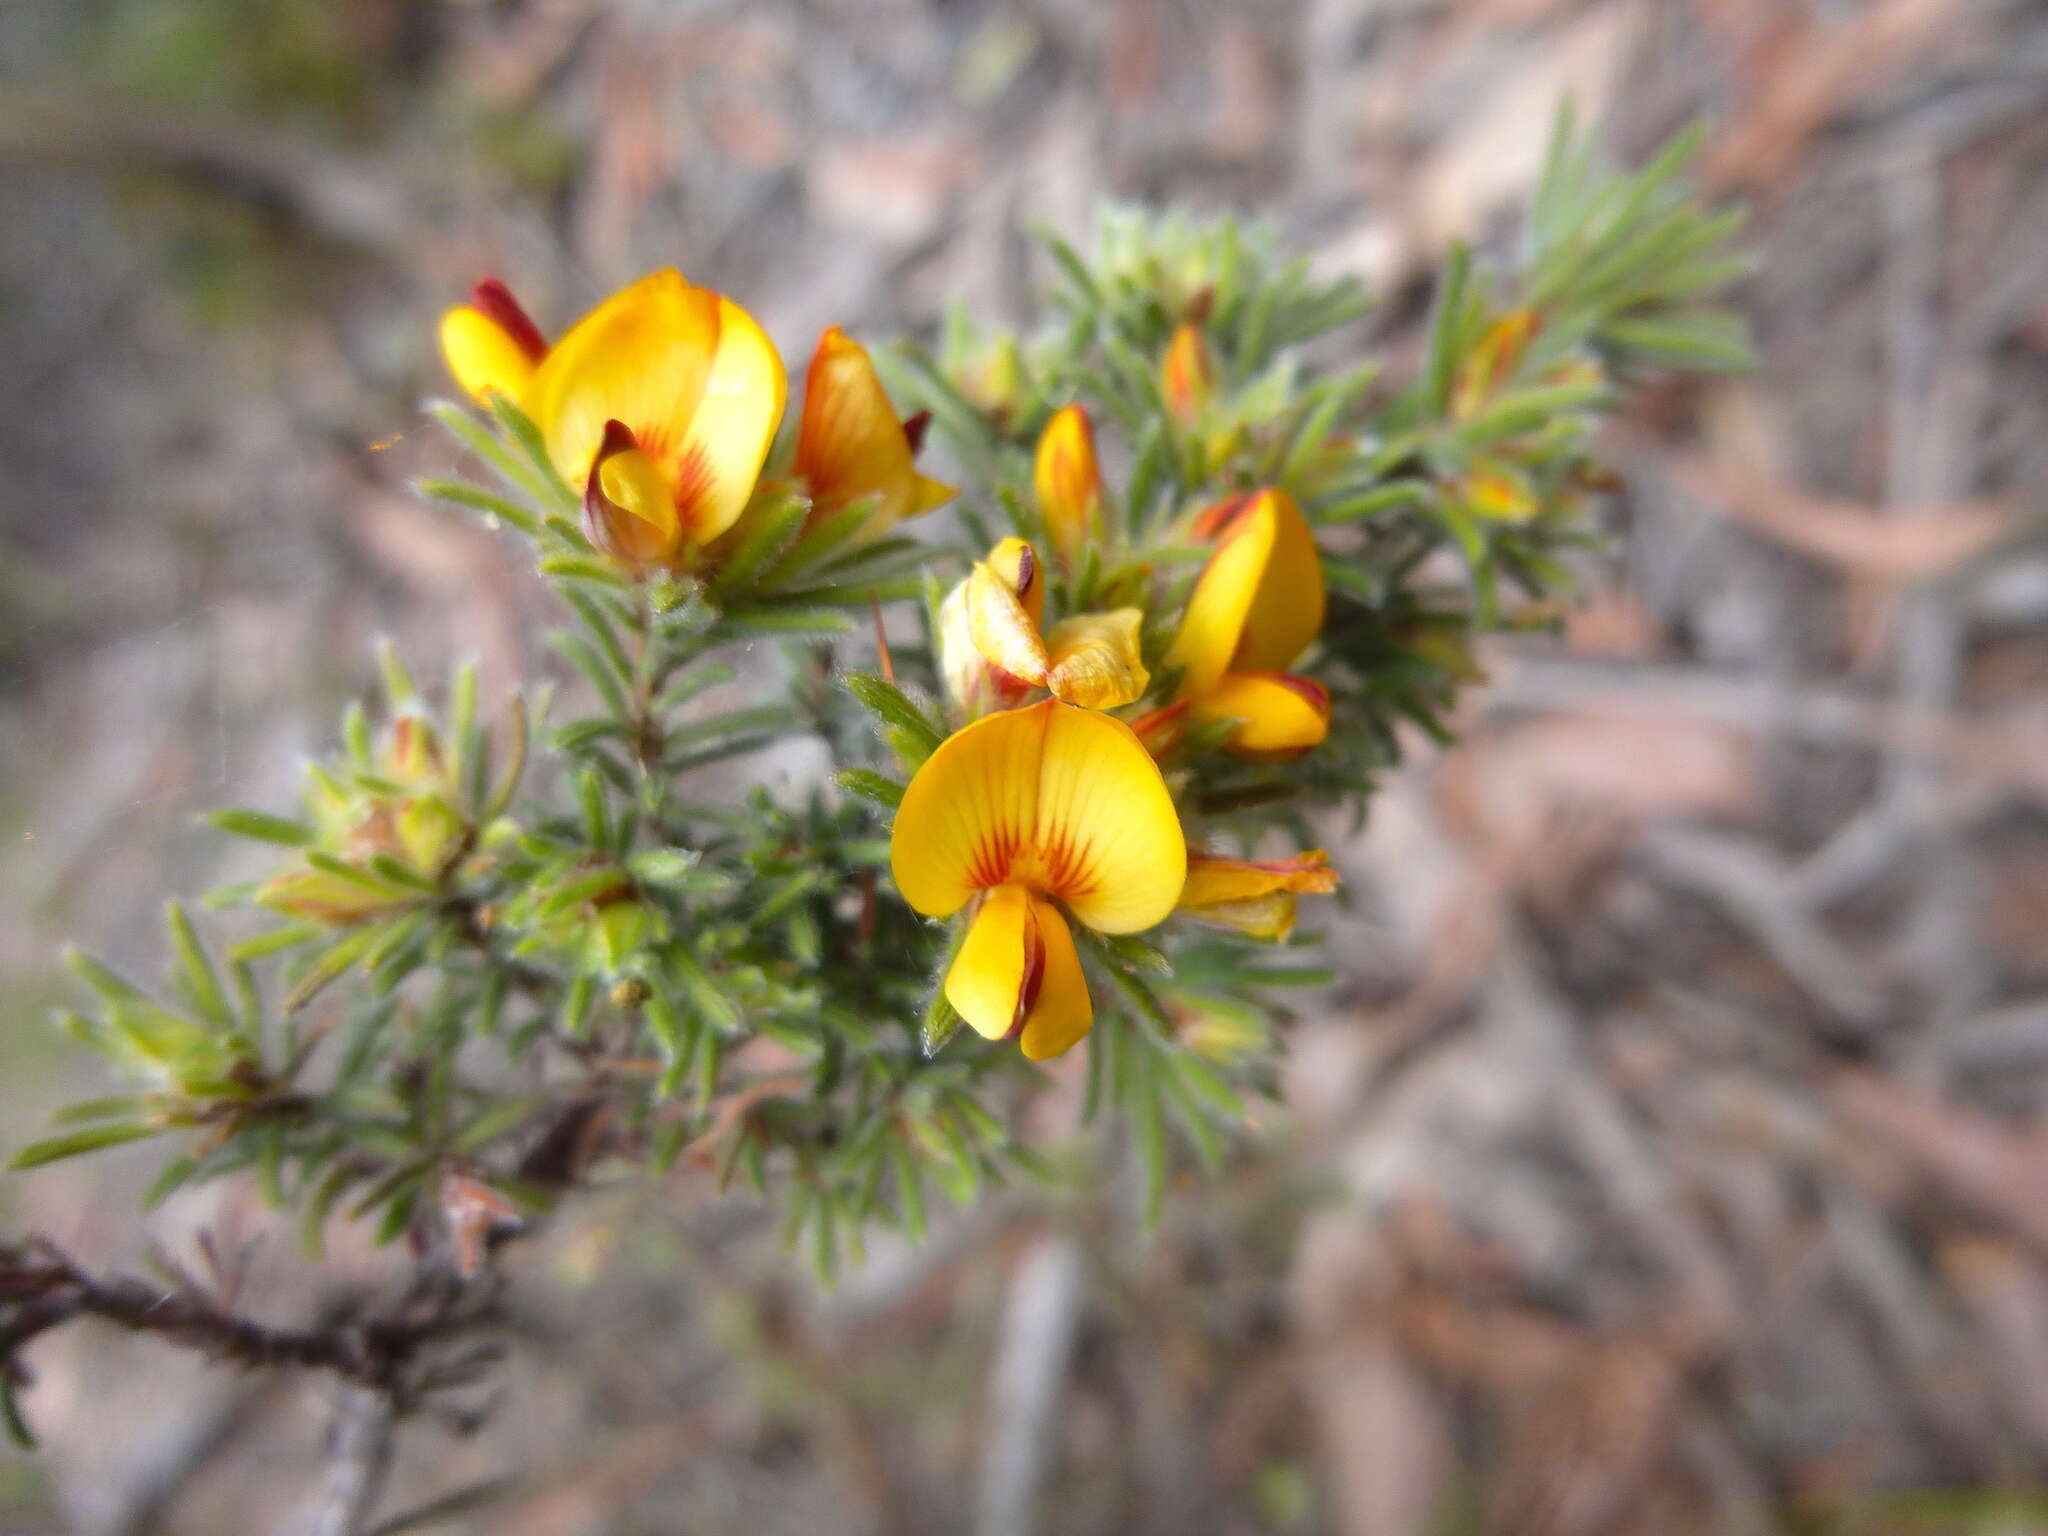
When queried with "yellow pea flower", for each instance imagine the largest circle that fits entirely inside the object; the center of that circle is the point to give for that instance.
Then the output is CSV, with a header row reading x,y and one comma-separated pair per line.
x,y
852,444
490,345
1034,810
659,405
1255,608
1254,897
993,649
1068,481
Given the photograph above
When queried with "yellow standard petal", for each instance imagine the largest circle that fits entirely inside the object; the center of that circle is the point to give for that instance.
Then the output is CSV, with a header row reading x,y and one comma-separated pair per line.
x,y
1259,601
1279,716
990,977
490,345
729,436
1065,802
688,373
1068,481
1093,660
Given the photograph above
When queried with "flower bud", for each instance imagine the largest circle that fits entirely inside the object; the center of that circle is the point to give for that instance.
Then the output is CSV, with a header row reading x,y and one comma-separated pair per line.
x,y
1187,376
490,344
1253,897
1068,481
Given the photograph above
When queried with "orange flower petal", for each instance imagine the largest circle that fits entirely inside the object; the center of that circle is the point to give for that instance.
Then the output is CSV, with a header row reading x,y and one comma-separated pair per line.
x,y
852,444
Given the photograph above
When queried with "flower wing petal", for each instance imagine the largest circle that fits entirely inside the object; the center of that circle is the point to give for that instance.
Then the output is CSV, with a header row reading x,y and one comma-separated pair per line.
x,y
989,976
1059,1016
1093,660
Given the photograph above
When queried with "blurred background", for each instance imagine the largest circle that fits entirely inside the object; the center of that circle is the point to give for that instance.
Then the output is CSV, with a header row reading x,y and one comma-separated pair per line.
x,y
1674,1154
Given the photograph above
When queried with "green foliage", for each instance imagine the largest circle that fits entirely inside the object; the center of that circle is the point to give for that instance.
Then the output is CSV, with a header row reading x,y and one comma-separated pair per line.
x,y
511,953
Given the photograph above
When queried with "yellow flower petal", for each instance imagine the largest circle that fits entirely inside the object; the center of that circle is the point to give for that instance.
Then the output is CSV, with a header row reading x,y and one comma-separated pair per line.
x,y
987,981
930,494
629,510
1093,660
689,373
1063,801
641,358
1068,482
1058,1017
490,345
483,358
1018,975
1259,601
1280,716
1005,596
733,427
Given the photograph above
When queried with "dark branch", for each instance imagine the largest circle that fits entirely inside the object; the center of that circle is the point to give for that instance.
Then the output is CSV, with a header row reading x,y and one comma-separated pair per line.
x,y
41,1288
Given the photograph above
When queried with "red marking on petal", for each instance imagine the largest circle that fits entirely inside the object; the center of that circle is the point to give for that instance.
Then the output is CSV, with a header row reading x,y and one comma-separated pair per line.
x,y
494,300
914,428
1033,979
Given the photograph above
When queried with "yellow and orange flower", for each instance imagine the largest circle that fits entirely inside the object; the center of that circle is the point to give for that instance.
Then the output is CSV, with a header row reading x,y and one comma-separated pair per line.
x,y
852,445
659,407
993,652
1187,376
490,345
1040,814
1257,605
1068,481
1252,896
